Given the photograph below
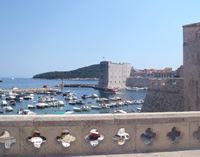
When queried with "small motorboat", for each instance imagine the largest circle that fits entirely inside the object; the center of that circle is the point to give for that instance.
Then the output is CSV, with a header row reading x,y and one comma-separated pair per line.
x,y
72,102
93,96
111,90
26,112
41,105
104,105
77,109
120,111
12,102
80,101
85,108
95,107
4,103
31,107
8,109
69,112
85,96
60,103
139,110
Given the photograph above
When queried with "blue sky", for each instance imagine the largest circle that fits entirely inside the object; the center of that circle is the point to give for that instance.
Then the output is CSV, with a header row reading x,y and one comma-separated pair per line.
x,y
39,36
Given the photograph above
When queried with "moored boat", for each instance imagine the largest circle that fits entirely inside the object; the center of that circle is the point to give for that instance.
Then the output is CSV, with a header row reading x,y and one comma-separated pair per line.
x,y
77,109
95,107
111,90
12,102
120,111
8,109
41,105
85,108
31,107
4,103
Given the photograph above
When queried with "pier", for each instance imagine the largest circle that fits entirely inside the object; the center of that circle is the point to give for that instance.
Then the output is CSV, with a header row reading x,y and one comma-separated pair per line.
x,y
27,90
77,85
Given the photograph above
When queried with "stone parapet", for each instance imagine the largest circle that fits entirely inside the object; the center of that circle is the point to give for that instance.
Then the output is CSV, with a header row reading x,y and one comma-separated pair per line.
x,y
66,135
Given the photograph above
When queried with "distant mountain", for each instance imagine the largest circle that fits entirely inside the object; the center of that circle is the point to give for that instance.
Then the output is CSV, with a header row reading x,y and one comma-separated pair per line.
x,y
85,72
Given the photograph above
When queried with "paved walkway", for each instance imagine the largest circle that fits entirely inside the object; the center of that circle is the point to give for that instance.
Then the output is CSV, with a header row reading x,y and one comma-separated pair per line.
x,y
184,153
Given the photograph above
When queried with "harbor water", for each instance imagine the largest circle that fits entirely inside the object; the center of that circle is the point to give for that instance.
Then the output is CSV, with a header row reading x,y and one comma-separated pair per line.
x,y
23,83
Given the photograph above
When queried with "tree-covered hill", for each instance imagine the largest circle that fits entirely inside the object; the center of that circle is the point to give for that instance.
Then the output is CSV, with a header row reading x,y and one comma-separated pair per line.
x,y
85,72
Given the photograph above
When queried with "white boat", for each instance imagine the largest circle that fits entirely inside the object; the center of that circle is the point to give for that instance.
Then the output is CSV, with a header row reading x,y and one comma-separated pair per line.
x,y
69,112
8,109
41,105
104,105
10,98
46,99
120,111
31,107
60,103
68,98
12,102
77,109
95,107
71,102
26,112
53,104
4,103
85,108
100,99
115,99
26,97
80,101
139,109
93,96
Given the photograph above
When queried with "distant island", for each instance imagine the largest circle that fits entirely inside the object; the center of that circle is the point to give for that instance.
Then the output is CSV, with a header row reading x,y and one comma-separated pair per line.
x,y
89,72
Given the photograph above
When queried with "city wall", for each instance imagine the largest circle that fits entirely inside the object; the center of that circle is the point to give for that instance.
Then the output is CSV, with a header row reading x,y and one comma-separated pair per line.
x,y
164,95
137,82
148,132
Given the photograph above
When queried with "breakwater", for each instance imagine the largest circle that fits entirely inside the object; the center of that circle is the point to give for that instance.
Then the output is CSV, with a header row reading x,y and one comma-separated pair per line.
x,y
77,85
27,90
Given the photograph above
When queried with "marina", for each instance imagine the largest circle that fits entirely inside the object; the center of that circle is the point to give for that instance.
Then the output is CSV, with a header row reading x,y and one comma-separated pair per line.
x,y
29,94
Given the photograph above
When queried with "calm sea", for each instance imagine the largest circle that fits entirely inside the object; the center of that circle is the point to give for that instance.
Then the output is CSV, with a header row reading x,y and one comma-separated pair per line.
x,y
23,83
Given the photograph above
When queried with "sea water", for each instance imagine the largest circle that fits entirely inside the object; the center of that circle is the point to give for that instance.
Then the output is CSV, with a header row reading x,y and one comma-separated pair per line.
x,y
23,83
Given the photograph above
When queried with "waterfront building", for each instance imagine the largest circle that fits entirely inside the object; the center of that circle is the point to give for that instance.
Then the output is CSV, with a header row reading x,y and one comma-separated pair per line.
x,y
113,75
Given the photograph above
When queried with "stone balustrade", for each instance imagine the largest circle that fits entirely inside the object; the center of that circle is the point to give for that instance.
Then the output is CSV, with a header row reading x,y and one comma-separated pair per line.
x,y
58,135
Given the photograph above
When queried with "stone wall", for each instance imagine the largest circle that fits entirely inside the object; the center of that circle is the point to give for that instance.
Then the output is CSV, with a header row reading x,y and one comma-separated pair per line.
x,y
137,82
191,66
164,95
145,132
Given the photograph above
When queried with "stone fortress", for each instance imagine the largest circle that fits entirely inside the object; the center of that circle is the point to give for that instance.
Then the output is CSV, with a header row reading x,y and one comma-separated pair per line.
x,y
121,75
166,95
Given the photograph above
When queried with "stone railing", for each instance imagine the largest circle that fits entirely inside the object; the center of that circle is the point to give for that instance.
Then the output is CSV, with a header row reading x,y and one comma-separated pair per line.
x,y
58,135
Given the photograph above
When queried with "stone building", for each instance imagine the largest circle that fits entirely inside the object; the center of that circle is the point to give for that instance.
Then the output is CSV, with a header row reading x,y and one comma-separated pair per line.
x,y
191,66
113,75
179,94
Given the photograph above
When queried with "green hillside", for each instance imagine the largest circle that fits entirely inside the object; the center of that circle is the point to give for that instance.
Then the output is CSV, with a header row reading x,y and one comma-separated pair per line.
x,y
85,72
